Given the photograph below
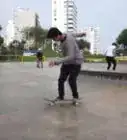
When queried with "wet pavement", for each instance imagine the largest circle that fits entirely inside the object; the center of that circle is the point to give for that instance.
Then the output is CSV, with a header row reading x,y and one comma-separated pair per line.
x,y
24,115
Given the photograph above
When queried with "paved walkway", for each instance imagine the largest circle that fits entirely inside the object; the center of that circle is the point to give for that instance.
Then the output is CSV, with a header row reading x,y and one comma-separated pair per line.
x,y
25,116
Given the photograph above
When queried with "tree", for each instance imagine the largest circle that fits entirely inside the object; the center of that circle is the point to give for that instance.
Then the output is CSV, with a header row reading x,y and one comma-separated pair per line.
x,y
2,48
122,38
16,47
83,44
38,34
1,40
0,27
122,43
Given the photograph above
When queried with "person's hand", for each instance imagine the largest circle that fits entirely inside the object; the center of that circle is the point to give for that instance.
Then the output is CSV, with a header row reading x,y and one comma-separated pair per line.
x,y
51,63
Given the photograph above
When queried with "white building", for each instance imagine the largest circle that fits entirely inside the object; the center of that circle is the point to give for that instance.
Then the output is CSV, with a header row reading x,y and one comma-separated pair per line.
x,y
64,15
9,33
23,18
93,37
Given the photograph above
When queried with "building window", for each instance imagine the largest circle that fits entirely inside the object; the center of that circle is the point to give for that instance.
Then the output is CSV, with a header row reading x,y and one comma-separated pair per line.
x,y
54,12
70,6
92,29
70,23
70,27
70,19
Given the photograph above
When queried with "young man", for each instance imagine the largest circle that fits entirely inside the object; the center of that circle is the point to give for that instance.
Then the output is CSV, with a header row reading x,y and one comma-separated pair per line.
x,y
71,62
110,56
39,56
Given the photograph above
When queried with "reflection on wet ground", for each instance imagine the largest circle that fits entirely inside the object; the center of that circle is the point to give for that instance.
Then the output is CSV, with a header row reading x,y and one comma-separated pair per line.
x,y
24,115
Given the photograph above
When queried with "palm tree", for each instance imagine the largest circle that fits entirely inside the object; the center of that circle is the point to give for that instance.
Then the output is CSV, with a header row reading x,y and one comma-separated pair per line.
x,y
37,34
83,44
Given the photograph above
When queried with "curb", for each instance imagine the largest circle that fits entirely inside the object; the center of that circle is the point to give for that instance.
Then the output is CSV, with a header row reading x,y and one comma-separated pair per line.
x,y
105,74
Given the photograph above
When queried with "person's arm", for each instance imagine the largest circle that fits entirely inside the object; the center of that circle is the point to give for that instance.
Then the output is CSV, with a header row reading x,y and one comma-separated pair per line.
x,y
78,34
105,52
70,53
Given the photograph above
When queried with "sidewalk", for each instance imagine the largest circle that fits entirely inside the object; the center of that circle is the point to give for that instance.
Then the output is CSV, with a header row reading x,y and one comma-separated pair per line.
x,y
100,69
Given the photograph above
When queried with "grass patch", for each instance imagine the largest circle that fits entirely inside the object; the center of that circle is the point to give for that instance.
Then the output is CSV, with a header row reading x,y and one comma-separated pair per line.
x,y
48,52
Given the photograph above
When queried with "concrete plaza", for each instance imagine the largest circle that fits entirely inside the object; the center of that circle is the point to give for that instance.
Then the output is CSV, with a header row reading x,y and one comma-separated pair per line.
x,y
24,115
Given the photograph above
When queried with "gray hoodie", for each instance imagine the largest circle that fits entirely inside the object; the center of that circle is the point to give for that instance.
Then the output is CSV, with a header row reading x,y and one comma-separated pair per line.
x,y
71,52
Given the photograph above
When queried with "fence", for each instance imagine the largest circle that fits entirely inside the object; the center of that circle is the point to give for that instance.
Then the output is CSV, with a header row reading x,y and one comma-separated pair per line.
x,y
18,58
5,58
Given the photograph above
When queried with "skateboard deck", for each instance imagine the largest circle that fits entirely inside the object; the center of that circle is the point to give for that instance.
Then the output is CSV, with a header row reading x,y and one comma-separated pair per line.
x,y
54,102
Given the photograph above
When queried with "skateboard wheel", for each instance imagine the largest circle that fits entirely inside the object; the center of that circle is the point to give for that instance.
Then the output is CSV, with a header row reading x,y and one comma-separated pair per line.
x,y
75,103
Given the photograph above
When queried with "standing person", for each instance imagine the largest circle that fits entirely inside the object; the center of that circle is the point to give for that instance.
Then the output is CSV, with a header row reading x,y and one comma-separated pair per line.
x,y
39,56
110,56
71,62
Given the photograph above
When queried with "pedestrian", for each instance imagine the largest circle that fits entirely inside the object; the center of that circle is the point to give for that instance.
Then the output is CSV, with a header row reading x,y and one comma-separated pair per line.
x,y
39,57
71,61
110,56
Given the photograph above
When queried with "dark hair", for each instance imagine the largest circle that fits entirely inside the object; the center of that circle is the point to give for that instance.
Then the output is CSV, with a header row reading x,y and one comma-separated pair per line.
x,y
114,44
53,32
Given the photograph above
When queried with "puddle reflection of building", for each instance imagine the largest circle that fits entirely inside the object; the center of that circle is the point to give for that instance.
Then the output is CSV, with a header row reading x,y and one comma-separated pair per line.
x,y
69,128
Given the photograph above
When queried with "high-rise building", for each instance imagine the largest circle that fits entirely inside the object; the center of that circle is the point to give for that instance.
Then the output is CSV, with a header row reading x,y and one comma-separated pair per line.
x,y
93,37
64,15
23,18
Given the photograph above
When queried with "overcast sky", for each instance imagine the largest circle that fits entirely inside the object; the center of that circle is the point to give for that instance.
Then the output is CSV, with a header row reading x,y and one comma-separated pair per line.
x,y
109,15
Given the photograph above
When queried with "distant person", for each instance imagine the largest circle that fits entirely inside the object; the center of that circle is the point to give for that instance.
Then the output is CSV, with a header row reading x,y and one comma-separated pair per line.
x,y
110,56
39,56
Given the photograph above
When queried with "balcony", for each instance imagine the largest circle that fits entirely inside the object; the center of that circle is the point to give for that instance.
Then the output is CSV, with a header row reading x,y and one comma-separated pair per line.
x,y
70,26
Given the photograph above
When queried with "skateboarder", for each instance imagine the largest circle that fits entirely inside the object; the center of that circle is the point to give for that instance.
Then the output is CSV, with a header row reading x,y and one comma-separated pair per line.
x,y
71,62
110,56
39,56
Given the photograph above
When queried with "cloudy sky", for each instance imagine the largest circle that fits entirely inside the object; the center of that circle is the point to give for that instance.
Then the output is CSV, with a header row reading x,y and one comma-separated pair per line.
x,y
109,15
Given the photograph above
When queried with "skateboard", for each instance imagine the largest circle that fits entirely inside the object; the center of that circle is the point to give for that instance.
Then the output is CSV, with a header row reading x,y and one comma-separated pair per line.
x,y
52,102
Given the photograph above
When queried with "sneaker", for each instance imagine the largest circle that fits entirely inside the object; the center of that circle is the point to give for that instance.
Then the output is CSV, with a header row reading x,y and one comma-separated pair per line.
x,y
108,68
59,99
114,69
76,101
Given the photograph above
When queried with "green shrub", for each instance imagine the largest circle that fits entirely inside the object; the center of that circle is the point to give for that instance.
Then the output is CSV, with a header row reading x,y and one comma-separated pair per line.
x,y
48,52
29,58
4,58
